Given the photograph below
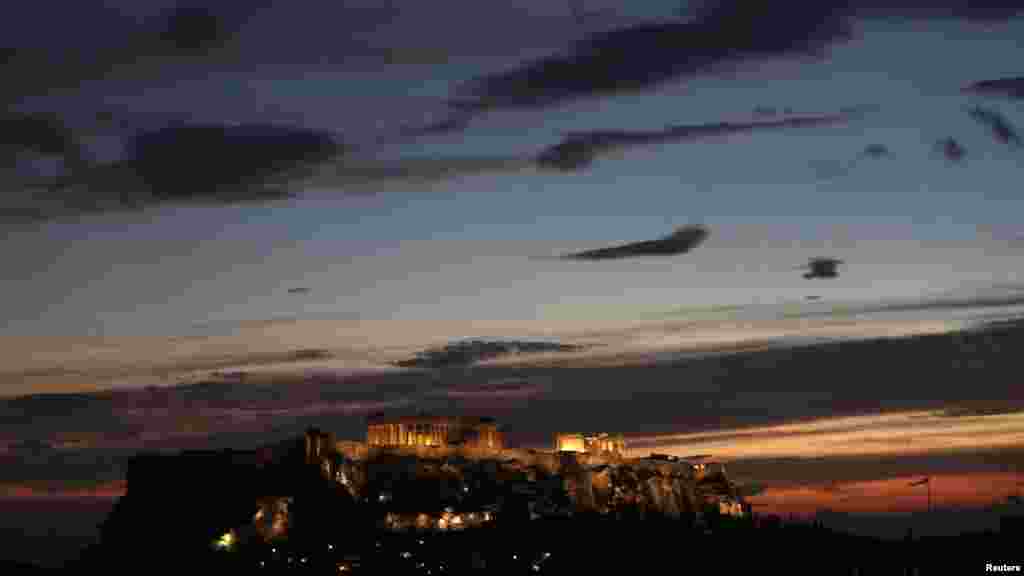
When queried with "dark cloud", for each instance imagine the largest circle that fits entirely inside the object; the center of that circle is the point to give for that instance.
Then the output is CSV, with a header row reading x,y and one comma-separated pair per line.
x,y
454,123
506,388
972,409
645,56
184,164
719,35
43,134
576,151
822,268
875,151
36,135
968,10
579,149
196,164
997,124
49,426
195,29
355,174
721,391
950,149
1007,87
299,290
469,352
123,47
681,241
205,160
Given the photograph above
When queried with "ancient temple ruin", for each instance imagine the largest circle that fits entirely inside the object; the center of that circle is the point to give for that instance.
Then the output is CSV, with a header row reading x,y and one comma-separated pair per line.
x,y
425,430
602,443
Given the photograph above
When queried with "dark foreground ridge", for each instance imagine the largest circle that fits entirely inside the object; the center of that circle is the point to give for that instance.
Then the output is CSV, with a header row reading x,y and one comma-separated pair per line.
x,y
342,541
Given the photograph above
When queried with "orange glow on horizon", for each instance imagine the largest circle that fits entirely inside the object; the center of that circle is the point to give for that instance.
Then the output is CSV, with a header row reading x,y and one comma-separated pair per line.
x,y
890,494
109,490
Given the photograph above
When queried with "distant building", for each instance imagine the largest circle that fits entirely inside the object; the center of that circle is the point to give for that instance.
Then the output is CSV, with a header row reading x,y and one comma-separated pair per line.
x,y
703,466
318,445
424,430
602,443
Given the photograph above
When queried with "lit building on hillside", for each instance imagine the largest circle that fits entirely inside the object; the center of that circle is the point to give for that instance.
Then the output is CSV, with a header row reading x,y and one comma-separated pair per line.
x,y
434,431
593,444
569,443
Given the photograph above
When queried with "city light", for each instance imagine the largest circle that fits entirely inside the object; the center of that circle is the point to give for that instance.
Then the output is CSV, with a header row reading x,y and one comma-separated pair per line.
x,y
225,541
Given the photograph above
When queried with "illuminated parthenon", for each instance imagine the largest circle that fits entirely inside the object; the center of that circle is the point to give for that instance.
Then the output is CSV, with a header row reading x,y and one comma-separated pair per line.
x,y
433,431
591,444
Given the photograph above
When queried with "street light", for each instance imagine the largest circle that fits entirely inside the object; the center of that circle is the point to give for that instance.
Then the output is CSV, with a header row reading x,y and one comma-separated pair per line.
x,y
927,481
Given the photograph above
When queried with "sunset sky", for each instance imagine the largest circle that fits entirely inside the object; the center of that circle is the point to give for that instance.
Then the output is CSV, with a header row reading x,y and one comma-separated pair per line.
x,y
400,241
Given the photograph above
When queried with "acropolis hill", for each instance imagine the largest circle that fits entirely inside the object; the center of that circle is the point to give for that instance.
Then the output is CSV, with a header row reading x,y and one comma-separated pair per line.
x,y
429,473
593,470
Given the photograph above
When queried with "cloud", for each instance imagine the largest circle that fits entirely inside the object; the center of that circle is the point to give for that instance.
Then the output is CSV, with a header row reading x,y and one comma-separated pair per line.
x,y
358,175
975,409
1006,87
997,124
681,241
121,47
854,436
299,290
60,438
646,56
469,352
579,149
967,10
950,149
822,268
222,164
195,29
721,34
182,164
505,388
454,123
43,134
875,151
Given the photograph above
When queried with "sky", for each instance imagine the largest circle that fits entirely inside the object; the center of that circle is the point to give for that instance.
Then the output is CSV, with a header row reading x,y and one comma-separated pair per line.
x,y
406,233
